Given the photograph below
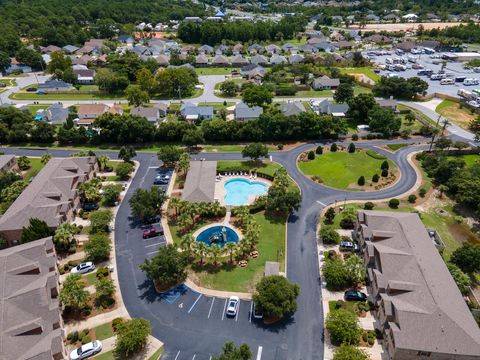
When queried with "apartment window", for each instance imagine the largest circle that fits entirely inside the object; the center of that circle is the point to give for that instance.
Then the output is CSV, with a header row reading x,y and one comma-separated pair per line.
x,y
424,353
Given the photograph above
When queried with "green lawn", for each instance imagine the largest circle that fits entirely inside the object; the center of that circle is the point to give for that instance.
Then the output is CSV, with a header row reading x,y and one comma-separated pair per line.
x,y
271,247
64,96
456,113
341,169
230,147
156,355
361,70
469,159
357,89
35,166
418,113
8,82
395,147
215,70
34,108
91,278
103,331
311,94
265,167
105,356
217,105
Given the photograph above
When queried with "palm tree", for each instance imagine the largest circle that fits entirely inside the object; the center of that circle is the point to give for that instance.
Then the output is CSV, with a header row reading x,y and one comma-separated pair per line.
x,y
215,208
63,235
201,250
175,203
231,247
102,161
252,234
242,213
245,247
45,158
186,243
183,163
184,221
215,251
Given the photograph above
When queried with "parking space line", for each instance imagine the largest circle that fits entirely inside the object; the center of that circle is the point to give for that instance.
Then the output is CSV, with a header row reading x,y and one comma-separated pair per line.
x,y
151,253
156,244
259,352
251,310
193,358
211,307
195,303
178,353
224,308
238,310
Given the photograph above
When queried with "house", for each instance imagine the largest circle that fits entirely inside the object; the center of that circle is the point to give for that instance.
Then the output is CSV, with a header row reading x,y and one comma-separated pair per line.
x,y
87,113
205,49
152,114
278,59
244,70
239,61
83,60
162,109
220,60
32,325
52,196
50,49
126,39
288,48
330,108
431,44
237,49
387,103
344,45
17,66
69,49
378,39
307,49
85,50
325,83
56,114
243,112
257,74
432,17
85,76
410,17
97,44
337,19
391,17
273,49
372,18
418,308
292,108
192,112
194,19
295,59
222,48
8,163
406,46
317,40
255,49
55,86
259,60
162,60
325,46
201,60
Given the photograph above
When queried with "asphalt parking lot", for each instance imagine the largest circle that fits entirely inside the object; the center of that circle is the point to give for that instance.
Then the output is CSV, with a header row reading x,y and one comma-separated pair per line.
x,y
455,68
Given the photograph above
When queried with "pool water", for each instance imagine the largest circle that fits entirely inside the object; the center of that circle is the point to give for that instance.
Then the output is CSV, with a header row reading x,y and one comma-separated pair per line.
x,y
215,235
238,191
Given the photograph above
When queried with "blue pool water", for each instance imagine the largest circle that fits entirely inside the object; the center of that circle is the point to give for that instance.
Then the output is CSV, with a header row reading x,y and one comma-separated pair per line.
x,y
214,235
239,190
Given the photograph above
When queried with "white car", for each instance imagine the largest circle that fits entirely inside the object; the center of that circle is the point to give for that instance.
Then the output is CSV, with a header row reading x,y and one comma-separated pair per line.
x,y
87,350
232,307
83,268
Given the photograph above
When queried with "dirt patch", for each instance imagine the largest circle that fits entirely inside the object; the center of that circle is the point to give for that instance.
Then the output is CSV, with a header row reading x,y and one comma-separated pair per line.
x,y
406,26
459,116
462,234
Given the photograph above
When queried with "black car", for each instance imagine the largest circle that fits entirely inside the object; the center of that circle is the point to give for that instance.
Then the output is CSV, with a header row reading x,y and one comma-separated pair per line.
x,y
31,89
353,295
2,85
90,206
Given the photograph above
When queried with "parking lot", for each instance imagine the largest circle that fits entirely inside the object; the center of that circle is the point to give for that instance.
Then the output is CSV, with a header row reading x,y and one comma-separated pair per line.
x,y
425,60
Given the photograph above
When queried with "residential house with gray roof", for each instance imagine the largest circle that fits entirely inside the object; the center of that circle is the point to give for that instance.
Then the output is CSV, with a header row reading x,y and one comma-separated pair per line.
x,y
273,49
192,112
56,114
239,61
418,307
70,49
259,60
295,59
201,60
330,108
205,49
220,60
243,112
292,108
152,114
8,163
255,49
325,83
278,59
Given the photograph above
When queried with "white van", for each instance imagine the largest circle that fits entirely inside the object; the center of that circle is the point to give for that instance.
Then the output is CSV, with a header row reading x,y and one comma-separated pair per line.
x,y
389,61
447,81
469,82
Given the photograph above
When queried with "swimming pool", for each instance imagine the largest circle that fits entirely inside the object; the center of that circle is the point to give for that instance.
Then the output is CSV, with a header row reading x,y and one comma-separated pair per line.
x,y
219,235
238,191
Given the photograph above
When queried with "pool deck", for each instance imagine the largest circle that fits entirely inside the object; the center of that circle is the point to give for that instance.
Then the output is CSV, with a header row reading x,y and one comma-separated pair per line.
x,y
220,187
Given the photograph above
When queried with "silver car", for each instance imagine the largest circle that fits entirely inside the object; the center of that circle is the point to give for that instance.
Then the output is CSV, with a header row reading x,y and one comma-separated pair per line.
x,y
87,350
232,307
83,268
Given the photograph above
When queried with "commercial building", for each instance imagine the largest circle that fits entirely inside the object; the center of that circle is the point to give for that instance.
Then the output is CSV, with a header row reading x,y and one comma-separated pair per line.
x,y
52,196
419,309
31,323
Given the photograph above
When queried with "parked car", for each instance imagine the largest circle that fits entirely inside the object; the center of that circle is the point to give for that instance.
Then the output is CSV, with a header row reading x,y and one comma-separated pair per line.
x,y
353,295
2,85
348,246
87,350
90,206
161,180
150,232
31,89
83,268
256,313
232,307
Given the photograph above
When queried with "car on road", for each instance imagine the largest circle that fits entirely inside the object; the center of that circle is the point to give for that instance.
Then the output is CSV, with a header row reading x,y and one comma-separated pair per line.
x,y
353,295
161,180
87,350
150,232
349,246
256,313
31,89
90,206
232,306
83,268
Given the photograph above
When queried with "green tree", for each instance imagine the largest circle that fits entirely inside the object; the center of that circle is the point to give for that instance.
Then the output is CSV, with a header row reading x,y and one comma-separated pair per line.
x,y
474,126
167,268
351,148
23,162
176,83
343,93
146,80
4,61
146,204
462,280
349,352
284,201
131,337
63,235
276,297
193,137
355,269
45,158
102,161
123,170
111,194
231,352
385,165
169,154
255,151
335,274
257,95
100,220
111,82
228,88
333,147
136,96
186,243
360,106
394,203
127,153
349,216
98,247
329,215
467,258
12,192
58,62
361,180
343,327
90,190
329,235
201,249
215,251
73,294
36,229
384,121
183,163
104,290
231,247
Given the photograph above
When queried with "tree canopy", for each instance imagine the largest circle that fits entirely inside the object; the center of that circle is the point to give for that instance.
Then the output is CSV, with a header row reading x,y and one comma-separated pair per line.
x,y
146,203
275,296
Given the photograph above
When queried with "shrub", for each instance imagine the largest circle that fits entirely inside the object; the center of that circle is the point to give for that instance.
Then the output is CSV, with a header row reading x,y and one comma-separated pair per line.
x,y
385,165
74,337
422,192
375,178
83,333
375,155
86,339
412,198
116,323
354,137
351,148
280,146
98,248
393,203
343,327
335,274
311,155
361,180
333,147
102,272
368,205
329,235
319,150
384,173
123,170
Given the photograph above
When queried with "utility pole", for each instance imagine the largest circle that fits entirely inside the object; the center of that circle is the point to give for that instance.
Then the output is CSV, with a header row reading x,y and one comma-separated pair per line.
x,y
434,133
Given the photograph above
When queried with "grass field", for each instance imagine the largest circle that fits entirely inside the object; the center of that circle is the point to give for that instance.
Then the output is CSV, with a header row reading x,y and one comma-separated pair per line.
x,y
216,105
395,147
103,331
8,82
265,167
362,70
456,114
271,247
341,169
64,96
35,166
215,70
34,108
469,159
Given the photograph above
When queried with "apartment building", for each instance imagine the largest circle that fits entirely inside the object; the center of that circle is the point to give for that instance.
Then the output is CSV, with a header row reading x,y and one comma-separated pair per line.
x,y
419,309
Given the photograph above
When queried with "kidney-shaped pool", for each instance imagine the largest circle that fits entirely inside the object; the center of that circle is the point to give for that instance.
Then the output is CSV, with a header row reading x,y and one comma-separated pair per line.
x,y
242,191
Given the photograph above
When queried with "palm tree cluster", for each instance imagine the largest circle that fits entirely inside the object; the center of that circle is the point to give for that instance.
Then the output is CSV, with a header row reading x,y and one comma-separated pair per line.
x,y
187,214
90,190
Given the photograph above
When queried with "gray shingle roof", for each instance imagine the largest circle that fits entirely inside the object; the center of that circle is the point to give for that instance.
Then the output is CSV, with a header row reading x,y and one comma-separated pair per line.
x,y
243,111
5,159
292,108
200,182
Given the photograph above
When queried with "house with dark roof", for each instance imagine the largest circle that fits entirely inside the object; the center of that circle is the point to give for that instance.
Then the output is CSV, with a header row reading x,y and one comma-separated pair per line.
x,y
192,112
56,114
220,60
295,59
55,86
325,83
278,59
292,108
50,49
307,49
419,309
205,49
243,112
255,49
378,39
152,114
259,60
330,108
69,49
85,76
126,39
239,61
289,48
32,325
